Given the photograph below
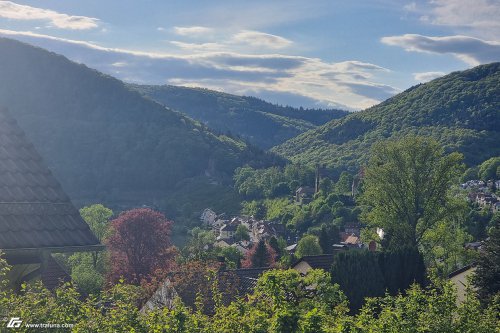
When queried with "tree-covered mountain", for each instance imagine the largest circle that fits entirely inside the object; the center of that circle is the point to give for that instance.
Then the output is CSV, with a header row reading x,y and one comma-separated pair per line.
x,y
105,142
261,123
460,110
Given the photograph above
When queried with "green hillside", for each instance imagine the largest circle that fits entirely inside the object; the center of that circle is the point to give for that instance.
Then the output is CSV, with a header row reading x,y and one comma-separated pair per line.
x,y
105,142
261,123
460,110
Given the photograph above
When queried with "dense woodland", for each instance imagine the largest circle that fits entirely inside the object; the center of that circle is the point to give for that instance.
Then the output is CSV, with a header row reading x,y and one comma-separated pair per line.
x,y
396,166
459,110
258,122
106,143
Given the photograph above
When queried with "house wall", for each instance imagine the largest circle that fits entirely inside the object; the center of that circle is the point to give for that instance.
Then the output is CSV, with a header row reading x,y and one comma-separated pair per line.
x,y
460,281
302,267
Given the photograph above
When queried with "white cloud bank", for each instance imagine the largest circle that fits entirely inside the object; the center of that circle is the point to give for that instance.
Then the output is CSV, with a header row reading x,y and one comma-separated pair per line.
x,y
473,51
480,17
282,79
261,39
427,76
15,11
194,31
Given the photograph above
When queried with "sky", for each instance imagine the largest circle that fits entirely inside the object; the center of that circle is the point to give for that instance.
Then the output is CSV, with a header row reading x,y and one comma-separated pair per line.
x,y
316,53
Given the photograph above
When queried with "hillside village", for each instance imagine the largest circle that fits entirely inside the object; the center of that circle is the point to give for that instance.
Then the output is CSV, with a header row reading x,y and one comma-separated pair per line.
x,y
120,214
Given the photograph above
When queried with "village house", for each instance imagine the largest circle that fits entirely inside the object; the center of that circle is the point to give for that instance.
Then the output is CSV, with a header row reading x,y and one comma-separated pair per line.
x,y
37,218
208,217
227,231
322,261
460,280
303,195
232,283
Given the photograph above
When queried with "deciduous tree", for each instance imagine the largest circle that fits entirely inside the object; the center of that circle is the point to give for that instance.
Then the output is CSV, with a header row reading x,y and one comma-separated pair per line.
x,y
139,243
487,278
407,184
308,246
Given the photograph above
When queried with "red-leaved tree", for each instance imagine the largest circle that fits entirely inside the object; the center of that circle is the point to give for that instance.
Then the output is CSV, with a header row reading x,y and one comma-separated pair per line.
x,y
260,255
139,245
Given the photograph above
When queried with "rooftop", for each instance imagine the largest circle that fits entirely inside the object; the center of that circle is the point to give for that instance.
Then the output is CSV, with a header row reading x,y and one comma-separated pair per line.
x,y
34,210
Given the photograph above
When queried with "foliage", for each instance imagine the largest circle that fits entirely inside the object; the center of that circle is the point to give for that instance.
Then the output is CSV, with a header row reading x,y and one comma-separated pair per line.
x,y
260,255
308,246
88,269
459,110
199,244
255,120
344,183
328,236
443,245
242,233
139,243
272,182
490,169
362,274
283,302
487,279
407,184
427,310
106,142
97,217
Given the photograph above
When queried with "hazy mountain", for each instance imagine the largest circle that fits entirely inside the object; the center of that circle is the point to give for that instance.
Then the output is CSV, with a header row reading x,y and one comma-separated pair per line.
x,y
261,123
461,110
105,142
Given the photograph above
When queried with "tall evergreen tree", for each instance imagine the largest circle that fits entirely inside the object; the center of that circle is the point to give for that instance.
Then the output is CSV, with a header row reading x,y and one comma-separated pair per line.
x,y
487,278
359,275
328,235
260,255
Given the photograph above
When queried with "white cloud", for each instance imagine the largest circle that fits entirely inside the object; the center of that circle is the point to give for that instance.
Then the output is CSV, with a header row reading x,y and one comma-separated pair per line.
x,y
199,47
15,11
261,39
478,14
194,31
427,76
473,51
284,78
478,18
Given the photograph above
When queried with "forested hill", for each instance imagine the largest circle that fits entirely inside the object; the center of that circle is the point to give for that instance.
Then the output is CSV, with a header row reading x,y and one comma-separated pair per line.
x,y
461,110
103,141
261,123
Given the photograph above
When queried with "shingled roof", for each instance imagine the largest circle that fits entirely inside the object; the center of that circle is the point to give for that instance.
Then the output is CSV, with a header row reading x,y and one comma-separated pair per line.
x,y
35,213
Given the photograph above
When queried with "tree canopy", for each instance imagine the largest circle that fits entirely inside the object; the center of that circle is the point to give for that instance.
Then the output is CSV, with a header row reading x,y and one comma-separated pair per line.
x,y
407,183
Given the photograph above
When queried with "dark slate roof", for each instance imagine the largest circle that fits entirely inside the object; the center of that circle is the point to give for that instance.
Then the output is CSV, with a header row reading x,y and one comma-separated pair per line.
x,y
34,210
248,278
54,275
461,270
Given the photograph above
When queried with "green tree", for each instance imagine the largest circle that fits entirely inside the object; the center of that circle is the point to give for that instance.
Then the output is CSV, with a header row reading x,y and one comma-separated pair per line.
x,y
200,243
344,184
328,235
489,169
88,269
232,256
308,246
242,233
255,209
407,184
487,279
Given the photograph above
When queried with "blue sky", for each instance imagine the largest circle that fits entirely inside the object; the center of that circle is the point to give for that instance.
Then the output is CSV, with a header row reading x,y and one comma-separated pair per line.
x,y
348,54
